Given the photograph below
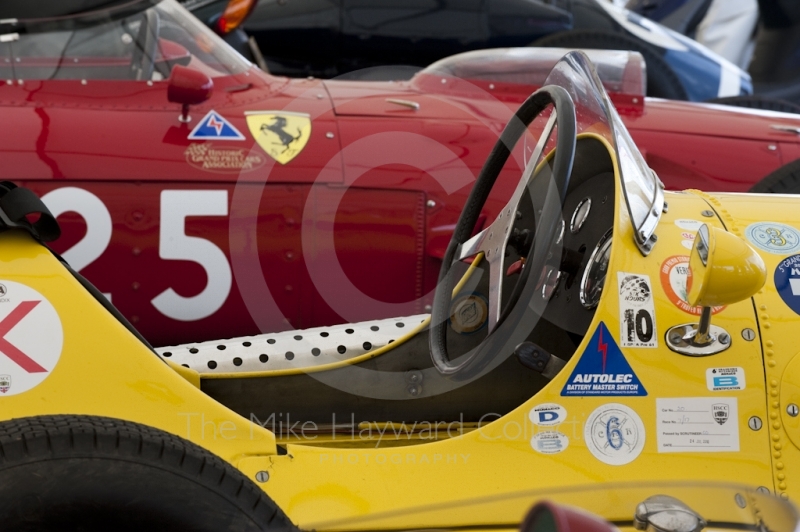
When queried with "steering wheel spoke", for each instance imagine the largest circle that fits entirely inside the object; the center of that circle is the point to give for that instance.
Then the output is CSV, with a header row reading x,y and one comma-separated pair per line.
x,y
493,240
496,274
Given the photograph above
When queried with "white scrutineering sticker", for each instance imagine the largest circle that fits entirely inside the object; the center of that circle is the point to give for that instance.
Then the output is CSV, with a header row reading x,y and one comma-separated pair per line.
x,y
31,338
689,230
637,314
697,425
688,225
614,434
549,442
547,414
725,379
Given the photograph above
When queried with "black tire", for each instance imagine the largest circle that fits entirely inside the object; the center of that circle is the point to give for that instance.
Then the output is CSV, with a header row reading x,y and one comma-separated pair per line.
x,y
93,474
759,102
784,180
661,80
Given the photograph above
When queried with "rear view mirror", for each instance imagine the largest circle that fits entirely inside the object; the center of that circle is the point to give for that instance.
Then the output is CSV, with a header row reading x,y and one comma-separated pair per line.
x,y
723,270
188,86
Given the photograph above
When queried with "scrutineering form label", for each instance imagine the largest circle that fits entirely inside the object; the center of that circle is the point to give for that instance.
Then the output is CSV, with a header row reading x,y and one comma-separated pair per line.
x,y
697,424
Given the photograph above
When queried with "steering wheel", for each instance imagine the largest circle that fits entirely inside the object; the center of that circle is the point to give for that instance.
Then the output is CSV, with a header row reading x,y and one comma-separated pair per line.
x,y
493,240
143,61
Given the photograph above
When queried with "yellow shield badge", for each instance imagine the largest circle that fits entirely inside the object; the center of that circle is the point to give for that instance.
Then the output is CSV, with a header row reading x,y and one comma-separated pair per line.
x,y
281,134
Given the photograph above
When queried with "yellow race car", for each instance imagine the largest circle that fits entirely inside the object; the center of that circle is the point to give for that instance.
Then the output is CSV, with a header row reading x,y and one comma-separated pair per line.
x,y
600,330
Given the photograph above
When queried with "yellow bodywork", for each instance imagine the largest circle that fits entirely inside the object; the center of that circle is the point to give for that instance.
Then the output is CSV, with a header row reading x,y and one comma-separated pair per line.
x,y
367,482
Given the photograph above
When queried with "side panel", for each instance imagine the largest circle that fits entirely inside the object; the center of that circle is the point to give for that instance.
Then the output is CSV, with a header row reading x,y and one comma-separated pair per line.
x,y
707,163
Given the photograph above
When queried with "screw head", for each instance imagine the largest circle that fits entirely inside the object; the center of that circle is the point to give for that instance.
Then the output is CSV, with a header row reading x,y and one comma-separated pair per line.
x,y
740,502
792,410
414,376
262,476
748,334
755,423
707,213
414,390
724,338
431,204
763,489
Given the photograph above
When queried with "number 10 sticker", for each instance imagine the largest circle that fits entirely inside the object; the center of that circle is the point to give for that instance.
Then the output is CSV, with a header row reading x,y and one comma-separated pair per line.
x,y
637,315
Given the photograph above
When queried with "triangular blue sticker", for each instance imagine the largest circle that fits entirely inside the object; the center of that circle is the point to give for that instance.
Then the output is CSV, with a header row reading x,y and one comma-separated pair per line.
x,y
214,126
603,370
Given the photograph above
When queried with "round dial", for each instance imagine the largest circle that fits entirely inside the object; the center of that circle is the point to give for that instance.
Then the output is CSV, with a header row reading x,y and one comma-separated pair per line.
x,y
580,214
594,276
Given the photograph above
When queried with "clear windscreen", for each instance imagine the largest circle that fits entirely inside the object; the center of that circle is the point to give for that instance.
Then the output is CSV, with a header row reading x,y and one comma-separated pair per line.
x,y
595,114
133,41
621,72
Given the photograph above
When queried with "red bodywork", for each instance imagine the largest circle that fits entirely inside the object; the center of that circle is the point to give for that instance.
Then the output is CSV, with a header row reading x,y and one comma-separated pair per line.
x,y
352,228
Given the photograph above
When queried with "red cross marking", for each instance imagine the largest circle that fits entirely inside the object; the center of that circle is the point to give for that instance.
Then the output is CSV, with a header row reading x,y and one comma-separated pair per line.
x,y
8,323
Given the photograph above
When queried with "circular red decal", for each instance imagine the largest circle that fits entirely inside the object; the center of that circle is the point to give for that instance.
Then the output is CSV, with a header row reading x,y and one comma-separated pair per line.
x,y
676,280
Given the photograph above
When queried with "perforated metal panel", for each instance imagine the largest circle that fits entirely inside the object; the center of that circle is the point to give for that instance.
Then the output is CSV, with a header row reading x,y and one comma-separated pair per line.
x,y
291,349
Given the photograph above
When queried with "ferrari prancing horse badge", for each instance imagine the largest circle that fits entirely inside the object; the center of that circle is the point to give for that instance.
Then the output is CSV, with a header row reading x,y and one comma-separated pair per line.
x,y
281,134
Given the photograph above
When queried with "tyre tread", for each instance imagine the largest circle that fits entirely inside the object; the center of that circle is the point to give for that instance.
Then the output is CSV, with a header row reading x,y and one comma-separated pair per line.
x,y
34,439
784,180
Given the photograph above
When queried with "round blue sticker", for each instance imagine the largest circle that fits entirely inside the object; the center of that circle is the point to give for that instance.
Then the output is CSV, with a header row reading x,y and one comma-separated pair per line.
x,y
787,281
774,237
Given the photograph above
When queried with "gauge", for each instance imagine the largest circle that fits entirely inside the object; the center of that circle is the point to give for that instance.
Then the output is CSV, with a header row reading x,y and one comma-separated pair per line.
x,y
580,215
594,276
552,277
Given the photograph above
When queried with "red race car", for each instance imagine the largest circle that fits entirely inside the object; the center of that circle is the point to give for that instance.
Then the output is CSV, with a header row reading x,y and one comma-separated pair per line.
x,y
209,199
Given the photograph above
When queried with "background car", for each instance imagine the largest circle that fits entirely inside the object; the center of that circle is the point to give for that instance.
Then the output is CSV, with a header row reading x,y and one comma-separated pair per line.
x,y
760,36
269,201
331,37
225,17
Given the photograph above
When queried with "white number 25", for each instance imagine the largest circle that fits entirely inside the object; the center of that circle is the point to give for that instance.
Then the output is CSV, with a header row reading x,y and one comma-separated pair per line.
x,y
173,244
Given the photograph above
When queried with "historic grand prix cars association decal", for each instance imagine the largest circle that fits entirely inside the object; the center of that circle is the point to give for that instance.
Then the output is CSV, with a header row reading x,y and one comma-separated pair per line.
x,y
281,134
773,237
603,370
614,434
223,160
787,282
214,126
31,338
637,313
676,283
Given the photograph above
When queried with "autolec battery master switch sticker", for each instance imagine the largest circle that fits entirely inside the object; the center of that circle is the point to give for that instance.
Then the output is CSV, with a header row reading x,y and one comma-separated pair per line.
x,y
31,338
603,370
787,282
